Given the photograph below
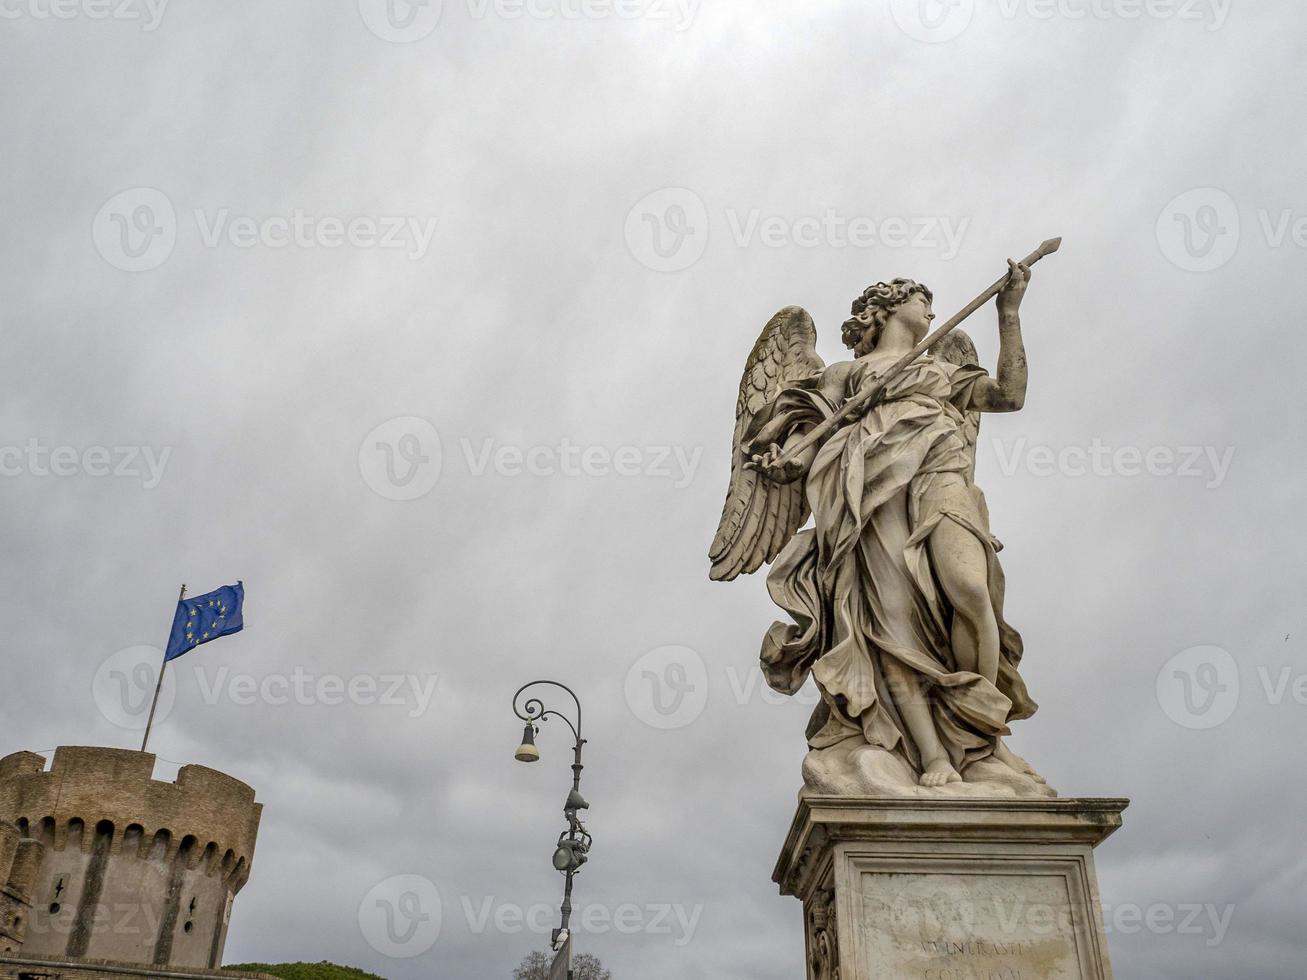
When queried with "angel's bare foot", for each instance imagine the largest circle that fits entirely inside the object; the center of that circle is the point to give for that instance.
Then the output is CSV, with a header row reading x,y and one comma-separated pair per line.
x,y
939,772
1013,761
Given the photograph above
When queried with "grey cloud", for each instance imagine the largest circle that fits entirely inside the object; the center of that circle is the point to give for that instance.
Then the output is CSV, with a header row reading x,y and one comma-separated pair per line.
x,y
529,320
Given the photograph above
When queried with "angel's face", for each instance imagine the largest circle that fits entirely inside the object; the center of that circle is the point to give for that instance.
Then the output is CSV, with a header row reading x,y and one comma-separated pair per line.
x,y
916,314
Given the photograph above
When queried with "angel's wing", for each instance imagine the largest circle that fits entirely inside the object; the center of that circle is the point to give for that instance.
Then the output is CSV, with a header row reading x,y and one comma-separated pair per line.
x,y
760,516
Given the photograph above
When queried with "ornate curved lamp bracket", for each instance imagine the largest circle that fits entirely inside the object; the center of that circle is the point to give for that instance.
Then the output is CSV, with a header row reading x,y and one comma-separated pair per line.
x,y
533,710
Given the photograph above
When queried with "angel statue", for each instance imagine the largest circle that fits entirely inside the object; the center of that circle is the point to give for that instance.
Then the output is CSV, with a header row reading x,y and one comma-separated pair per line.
x,y
895,590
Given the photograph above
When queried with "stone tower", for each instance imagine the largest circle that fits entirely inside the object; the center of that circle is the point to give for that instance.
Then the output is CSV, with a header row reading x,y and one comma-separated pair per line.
x,y
116,866
20,862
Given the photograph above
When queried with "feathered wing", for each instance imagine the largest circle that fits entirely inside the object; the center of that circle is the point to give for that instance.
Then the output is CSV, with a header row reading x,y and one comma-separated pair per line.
x,y
760,516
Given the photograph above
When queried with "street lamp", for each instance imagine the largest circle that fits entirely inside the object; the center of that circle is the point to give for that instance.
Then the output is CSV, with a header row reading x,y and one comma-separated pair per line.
x,y
573,848
527,751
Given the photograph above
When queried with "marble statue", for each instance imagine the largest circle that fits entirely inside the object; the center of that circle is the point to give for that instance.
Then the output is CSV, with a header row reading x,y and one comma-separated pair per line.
x,y
895,590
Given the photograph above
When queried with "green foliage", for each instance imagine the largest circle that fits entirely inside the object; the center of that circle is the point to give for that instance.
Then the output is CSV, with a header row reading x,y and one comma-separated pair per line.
x,y
305,971
584,967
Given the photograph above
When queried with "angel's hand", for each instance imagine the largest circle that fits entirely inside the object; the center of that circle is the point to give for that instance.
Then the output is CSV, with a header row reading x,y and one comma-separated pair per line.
x,y
773,465
1014,290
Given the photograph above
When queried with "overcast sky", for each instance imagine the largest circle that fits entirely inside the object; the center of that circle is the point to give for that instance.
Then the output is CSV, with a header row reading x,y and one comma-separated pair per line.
x,y
429,330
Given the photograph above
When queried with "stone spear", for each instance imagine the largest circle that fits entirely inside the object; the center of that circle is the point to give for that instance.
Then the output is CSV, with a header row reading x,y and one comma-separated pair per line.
x,y
866,397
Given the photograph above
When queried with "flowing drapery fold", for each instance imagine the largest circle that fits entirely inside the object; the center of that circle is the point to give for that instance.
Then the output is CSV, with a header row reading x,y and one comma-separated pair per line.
x,y
859,584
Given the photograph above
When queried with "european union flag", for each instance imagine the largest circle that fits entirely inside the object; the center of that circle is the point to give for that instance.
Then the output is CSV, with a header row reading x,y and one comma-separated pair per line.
x,y
205,618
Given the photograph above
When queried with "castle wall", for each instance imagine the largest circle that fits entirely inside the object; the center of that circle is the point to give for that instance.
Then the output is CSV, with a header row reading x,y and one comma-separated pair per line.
x,y
21,966
20,865
12,907
135,870
48,931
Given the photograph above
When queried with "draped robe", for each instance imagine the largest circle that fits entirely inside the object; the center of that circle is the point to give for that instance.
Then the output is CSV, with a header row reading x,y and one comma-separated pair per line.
x,y
860,585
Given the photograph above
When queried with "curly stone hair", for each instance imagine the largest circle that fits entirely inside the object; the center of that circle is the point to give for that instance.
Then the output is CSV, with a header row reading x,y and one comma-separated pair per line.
x,y
875,306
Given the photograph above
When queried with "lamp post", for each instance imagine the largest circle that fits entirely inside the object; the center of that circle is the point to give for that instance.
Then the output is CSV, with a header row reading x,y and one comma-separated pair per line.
x,y
573,848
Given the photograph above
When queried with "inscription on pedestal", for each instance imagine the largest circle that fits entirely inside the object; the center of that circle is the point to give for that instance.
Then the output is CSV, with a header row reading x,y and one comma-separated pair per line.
x,y
968,926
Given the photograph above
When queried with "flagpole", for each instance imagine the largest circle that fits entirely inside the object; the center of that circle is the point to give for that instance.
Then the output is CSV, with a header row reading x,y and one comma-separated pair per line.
x,y
159,687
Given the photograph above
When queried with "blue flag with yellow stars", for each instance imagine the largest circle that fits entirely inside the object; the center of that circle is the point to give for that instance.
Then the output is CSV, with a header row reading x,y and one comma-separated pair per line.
x,y
205,618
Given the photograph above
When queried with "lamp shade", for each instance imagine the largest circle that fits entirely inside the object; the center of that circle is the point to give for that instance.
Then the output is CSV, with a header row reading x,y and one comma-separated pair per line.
x,y
527,751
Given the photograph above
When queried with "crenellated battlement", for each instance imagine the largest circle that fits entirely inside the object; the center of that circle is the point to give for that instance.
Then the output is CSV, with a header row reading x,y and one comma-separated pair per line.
x,y
89,792
20,764
110,863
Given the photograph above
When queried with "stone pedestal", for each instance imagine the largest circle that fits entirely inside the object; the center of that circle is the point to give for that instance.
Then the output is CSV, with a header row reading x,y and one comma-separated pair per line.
x,y
965,889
